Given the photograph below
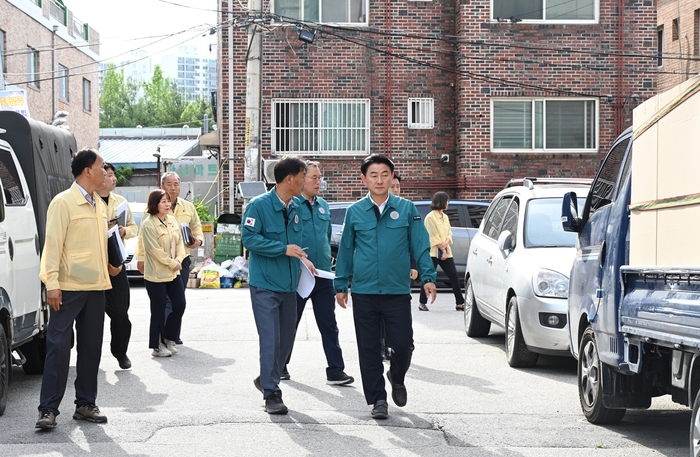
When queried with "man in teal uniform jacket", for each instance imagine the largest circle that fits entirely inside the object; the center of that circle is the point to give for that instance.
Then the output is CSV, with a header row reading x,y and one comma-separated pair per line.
x,y
382,232
272,233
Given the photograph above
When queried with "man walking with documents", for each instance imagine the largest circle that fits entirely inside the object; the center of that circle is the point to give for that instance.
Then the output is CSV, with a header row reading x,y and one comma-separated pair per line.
x,y
74,270
316,220
272,233
118,299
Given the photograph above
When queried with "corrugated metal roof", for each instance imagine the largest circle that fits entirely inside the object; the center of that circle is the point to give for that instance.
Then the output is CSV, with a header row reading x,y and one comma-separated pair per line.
x,y
138,153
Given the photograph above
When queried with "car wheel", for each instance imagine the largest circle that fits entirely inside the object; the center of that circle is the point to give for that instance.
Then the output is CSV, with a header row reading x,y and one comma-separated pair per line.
x,y
590,387
475,325
517,353
34,352
5,367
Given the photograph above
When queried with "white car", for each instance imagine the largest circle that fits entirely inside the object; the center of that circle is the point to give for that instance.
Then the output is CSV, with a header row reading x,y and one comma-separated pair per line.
x,y
137,210
518,269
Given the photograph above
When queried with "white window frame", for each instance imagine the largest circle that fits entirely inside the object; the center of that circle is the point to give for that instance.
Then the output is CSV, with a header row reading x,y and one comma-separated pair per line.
x,y
543,128
63,75
595,20
365,6
87,95
32,67
421,113
315,138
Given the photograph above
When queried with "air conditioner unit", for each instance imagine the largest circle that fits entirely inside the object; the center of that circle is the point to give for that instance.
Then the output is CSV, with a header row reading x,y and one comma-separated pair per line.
x,y
269,170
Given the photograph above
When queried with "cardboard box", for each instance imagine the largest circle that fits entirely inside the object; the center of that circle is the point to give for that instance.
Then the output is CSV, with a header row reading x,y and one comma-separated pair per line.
x,y
665,166
193,283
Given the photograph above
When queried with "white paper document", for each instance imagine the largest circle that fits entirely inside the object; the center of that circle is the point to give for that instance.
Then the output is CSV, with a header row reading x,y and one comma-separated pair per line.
x,y
121,213
307,281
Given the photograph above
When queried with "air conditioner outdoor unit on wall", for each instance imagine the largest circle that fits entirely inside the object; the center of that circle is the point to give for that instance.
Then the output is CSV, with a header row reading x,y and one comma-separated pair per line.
x,y
269,170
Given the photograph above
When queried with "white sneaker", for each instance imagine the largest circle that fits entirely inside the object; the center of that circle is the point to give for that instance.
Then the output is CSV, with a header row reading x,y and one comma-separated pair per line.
x,y
170,345
162,351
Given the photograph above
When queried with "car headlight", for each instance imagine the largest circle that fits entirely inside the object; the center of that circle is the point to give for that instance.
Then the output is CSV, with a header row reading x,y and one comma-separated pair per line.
x,y
548,283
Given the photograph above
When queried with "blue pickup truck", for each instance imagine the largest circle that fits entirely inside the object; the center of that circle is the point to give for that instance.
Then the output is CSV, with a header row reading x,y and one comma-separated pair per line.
x,y
634,330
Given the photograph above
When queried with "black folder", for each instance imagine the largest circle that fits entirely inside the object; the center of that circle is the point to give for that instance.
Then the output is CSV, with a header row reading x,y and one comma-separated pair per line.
x,y
187,236
114,252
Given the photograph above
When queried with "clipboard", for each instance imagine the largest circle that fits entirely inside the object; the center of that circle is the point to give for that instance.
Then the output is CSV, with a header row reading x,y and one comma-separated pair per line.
x,y
121,213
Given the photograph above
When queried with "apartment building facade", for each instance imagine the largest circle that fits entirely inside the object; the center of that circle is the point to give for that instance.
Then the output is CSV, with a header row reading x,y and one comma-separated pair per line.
x,y
51,55
462,95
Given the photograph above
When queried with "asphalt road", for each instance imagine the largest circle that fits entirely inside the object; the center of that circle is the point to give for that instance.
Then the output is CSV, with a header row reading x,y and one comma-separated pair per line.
x,y
463,399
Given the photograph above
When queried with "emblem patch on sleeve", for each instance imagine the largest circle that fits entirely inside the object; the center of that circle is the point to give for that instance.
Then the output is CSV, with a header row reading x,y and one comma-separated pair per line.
x,y
250,221
416,218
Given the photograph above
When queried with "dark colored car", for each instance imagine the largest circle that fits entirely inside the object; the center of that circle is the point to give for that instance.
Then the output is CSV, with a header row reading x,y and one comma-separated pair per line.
x,y
465,217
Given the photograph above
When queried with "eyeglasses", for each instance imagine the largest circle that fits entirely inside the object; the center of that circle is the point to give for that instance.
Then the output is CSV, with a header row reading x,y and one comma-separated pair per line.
x,y
319,178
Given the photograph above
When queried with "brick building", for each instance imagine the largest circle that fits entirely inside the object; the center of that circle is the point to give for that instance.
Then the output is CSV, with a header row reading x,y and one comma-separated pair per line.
x,y
462,95
678,38
28,48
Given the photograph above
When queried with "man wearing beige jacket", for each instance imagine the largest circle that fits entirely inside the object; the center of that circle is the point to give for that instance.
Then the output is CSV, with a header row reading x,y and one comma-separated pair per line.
x,y
74,270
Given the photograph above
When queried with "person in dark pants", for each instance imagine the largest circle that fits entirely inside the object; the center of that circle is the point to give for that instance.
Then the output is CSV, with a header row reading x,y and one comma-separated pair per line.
x,y
316,219
381,233
438,226
184,212
74,270
118,299
164,251
272,233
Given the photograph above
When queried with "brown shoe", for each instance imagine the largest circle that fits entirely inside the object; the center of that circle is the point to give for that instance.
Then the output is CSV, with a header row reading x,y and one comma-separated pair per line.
x,y
90,413
47,420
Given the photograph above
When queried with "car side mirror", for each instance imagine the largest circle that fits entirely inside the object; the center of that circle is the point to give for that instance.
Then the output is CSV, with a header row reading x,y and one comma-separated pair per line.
x,y
570,220
506,243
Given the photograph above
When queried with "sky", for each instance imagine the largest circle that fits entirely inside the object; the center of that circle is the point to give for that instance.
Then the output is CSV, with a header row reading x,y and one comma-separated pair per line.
x,y
126,25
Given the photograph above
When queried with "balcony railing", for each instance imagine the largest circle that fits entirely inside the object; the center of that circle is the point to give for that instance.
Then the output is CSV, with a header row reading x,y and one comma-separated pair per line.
x,y
57,11
80,29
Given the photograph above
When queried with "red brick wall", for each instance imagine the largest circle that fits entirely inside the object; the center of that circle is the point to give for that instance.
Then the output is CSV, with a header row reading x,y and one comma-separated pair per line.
x,y
22,31
334,68
682,56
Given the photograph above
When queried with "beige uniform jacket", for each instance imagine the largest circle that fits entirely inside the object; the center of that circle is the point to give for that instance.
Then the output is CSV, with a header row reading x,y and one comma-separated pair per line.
x,y
186,212
75,250
131,228
439,230
162,248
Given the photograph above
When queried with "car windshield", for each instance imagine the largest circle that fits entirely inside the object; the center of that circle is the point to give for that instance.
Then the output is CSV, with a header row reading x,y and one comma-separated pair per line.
x,y
543,224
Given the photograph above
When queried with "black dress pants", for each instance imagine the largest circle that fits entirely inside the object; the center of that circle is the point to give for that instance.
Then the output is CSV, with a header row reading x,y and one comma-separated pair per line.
x,y
118,300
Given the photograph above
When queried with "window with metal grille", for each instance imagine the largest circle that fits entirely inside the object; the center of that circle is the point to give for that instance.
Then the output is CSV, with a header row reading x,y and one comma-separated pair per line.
x,y
421,113
555,124
32,67
545,10
63,82
660,46
328,126
325,11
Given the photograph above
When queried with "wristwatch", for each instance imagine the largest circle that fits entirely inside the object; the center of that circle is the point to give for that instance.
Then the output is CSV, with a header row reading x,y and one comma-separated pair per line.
x,y
201,243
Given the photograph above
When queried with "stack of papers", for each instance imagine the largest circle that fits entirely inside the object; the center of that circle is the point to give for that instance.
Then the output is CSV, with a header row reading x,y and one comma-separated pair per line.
x,y
307,280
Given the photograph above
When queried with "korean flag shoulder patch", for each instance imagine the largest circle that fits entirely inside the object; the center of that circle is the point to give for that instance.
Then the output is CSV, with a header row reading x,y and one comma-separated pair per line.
x,y
250,221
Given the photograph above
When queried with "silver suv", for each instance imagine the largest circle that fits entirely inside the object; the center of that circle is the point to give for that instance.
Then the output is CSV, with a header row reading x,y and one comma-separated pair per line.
x,y
465,217
518,266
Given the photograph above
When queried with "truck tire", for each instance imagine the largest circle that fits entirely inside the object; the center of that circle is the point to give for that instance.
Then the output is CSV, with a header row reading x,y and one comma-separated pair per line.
x,y
475,325
517,353
590,388
5,367
34,352
695,428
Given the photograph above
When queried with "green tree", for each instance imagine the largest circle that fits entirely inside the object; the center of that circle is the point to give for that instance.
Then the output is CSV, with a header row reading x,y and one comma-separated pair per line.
x,y
119,106
123,174
154,103
203,211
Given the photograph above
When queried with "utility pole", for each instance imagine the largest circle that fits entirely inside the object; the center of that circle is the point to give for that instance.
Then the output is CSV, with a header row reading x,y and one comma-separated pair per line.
x,y
251,171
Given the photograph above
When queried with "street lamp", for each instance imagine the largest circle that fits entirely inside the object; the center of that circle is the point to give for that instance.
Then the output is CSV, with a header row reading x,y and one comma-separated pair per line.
x,y
157,156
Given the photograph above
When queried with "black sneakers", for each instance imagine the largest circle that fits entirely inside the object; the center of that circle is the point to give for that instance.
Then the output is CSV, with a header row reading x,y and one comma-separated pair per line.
x,y
398,391
47,420
90,413
284,376
380,410
256,383
275,405
339,379
124,362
